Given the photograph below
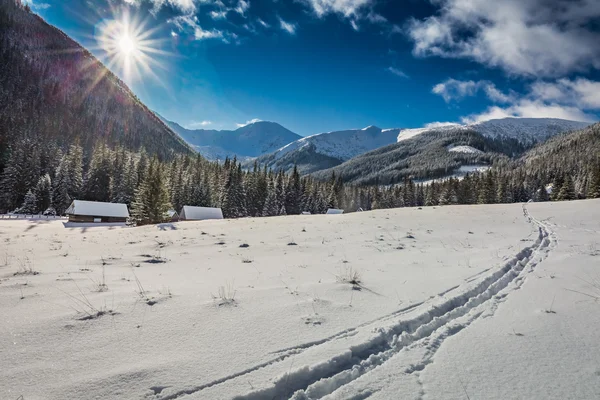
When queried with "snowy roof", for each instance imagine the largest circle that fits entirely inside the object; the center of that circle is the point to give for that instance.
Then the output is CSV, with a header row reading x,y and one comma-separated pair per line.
x,y
334,211
199,213
97,209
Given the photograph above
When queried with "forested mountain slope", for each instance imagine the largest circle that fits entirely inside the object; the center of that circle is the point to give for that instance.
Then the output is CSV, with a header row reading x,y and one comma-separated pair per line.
x,y
429,155
53,91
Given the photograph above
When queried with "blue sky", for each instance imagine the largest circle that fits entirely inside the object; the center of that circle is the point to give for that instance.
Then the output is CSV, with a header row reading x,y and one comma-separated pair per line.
x,y
321,65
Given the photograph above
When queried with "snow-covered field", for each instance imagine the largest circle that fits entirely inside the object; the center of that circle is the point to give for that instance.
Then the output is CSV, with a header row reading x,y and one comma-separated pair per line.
x,y
479,302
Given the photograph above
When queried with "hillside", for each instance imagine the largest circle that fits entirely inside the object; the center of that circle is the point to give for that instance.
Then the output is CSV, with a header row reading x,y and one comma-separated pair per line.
x,y
438,152
431,155
248,141
53,91
326,150
526,130
570,151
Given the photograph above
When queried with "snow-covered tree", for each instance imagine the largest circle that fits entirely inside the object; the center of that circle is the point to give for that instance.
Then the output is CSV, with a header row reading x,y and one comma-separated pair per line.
x,y
151,202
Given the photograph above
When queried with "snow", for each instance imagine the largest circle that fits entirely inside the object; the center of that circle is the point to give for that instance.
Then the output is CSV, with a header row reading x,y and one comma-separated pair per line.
x,y
459,174
524,129
97,209
342,145
464,149
406,134
453,302
334,211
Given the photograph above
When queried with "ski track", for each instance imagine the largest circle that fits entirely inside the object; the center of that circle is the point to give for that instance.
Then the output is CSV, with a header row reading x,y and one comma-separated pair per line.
x,y
426,330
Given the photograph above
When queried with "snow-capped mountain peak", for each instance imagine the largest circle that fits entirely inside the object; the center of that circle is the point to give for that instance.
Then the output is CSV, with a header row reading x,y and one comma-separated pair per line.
x,y
522,129
331,148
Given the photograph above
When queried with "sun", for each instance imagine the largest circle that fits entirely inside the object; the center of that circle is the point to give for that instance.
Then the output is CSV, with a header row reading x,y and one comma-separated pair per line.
x,y
129,48
126,44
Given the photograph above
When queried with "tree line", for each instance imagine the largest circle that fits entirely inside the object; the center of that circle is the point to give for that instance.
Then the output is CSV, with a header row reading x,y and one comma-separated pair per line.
x,y
40,177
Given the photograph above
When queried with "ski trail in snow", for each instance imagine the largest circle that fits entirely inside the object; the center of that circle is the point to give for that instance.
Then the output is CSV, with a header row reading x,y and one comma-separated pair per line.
x,y
427,329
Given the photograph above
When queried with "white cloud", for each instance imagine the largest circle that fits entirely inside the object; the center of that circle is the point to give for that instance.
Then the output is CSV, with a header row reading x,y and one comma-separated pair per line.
x,y
287,26
579,92
218,14
347,8
186,6
576,99
397,72
200,124
354,25
201,34
242,7
187,22
252,121
523,37
526,108
452,89
263,23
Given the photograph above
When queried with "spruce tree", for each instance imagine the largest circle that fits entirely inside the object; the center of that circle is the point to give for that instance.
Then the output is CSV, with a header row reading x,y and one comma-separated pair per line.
x,y
29,205
234,199
151,202
567,190
541,193
60,193
75,170
487,194
271,207
593,191
293,193
43,193
97,185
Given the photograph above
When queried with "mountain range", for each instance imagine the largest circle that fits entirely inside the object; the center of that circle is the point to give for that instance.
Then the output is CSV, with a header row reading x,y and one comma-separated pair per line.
x,y
248,141
362,151
441,151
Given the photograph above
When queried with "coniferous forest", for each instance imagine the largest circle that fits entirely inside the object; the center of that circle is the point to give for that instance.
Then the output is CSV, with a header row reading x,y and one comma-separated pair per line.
x,y
568,164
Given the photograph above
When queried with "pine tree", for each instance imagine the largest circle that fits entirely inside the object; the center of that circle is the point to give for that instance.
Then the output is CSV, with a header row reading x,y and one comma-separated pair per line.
x,y
272,206
29,205
293,193
487,194
567,190
234,198
75,170
97,185
43,193
61,199
593,191
21,173
541,193
557,184
151,202
280,191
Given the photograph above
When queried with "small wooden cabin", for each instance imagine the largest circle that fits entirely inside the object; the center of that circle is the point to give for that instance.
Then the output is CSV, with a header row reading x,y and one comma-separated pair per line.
x,y
82,211
173,216
334,211
189,213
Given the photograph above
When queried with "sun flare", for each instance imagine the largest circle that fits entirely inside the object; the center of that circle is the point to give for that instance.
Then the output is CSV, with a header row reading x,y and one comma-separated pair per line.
x,y
129,47
126,44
